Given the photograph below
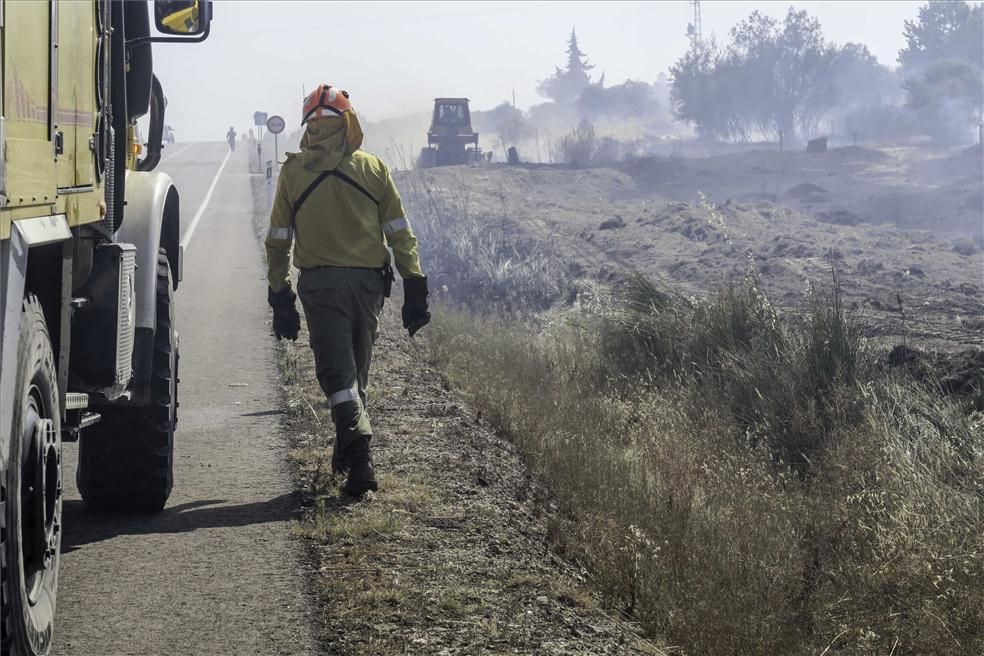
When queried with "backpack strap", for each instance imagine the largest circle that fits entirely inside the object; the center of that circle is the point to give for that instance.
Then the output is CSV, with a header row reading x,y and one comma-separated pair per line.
x,y
307,192
321,178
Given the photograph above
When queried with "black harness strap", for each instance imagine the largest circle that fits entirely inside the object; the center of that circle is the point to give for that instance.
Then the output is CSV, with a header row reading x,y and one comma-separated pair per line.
x,y
345,178
307,192
321,178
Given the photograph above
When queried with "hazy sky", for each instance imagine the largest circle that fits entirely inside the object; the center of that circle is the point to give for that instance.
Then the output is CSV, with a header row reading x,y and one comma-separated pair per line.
x,y
395,57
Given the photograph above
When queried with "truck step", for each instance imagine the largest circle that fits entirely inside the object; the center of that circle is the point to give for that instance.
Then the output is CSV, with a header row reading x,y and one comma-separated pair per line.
x,y
85,419
76,401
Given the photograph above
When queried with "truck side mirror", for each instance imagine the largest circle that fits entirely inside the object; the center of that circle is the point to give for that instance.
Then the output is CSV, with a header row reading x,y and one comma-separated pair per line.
x,y
182,17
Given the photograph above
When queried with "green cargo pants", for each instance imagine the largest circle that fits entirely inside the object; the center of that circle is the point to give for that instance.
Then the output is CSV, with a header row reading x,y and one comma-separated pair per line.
x,y
342,307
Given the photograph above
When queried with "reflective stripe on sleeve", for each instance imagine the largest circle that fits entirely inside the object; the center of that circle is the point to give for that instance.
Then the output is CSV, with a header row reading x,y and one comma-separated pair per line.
x,y
343,397
395,225
285,234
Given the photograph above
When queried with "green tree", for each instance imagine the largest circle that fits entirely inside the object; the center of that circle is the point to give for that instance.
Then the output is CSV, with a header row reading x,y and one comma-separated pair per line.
x,y
631,99
504,120
944,31
565,85
943,66
702,94
947,98
774,76
786,72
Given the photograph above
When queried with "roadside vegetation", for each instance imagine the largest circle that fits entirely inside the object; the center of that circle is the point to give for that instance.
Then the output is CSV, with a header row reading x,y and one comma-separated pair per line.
x,y
737,480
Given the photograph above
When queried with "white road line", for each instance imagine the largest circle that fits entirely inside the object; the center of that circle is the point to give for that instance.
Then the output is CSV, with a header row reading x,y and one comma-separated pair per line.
x,y
175,153
201,208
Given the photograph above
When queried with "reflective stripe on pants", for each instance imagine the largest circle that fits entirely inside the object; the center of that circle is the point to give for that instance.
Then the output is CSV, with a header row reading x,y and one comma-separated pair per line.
x,y
342,308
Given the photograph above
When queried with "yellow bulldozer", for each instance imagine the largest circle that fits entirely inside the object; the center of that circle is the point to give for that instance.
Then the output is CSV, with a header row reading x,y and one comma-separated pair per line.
x,y
450,139
90,259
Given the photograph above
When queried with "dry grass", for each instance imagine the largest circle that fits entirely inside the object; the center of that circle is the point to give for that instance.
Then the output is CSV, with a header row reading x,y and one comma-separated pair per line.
x,y
684,505
469,263
740,482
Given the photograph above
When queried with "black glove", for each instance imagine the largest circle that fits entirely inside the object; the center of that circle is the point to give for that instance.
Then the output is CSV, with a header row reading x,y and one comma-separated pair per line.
x,y
415,314
286,320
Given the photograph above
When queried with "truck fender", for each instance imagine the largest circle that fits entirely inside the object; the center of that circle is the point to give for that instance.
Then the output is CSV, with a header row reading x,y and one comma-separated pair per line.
x,y
151,220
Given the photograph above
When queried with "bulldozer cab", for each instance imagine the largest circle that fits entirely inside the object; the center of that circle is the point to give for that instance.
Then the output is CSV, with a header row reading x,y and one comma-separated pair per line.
x,y
452,111
450,139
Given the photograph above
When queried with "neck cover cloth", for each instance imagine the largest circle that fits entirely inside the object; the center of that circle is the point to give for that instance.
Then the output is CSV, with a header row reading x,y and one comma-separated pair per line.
x,y
328,140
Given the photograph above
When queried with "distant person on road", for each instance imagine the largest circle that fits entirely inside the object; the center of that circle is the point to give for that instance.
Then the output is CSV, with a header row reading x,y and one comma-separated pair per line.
x,y
231,138
340,209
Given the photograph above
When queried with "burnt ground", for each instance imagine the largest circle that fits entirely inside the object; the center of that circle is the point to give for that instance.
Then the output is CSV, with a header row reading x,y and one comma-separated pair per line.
x,y
900,229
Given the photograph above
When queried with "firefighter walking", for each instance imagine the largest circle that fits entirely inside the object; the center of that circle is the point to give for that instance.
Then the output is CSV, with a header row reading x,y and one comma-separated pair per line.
x,y
340,209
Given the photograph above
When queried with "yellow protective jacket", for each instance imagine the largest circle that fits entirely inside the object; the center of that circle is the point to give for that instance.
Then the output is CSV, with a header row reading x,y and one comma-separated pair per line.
x,y
349,218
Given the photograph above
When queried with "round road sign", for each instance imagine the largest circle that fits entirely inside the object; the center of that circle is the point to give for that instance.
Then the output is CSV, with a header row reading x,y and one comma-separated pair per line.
x,y
275,124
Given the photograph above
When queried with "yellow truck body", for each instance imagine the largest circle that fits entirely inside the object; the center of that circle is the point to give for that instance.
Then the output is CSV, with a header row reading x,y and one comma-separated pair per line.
x,y
49,100
89,263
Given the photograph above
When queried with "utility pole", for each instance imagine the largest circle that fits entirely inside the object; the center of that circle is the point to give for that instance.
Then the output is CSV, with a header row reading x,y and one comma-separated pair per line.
x,y
695,30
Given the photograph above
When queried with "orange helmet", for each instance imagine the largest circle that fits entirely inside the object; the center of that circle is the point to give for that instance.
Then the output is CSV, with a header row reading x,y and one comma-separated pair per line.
x,y
326,100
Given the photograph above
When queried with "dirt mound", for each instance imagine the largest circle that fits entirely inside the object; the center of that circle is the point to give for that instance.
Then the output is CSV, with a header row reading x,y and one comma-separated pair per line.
x,y
805,189
839,217
788,247
613,224
965,247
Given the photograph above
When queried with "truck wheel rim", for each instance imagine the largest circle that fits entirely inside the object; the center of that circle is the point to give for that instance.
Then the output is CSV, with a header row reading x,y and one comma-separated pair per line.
x,y
41,495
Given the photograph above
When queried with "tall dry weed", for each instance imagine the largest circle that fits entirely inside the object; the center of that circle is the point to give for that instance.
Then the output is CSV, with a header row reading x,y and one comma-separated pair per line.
x,y
470,262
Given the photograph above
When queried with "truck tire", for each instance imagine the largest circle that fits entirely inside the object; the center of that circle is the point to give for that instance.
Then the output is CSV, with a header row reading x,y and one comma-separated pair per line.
x,y
126,460
31,496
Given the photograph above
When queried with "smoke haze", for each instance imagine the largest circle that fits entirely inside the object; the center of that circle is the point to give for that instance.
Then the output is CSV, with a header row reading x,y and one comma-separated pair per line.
x,y
396,57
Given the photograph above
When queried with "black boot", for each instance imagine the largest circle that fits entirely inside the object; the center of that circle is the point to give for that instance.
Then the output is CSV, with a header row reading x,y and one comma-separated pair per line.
x,y
339,461
361,478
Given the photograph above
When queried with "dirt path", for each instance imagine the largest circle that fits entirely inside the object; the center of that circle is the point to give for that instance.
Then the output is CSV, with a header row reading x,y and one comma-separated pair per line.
x,y
216,572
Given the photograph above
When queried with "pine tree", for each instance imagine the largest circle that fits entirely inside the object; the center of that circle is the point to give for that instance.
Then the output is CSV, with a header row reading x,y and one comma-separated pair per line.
x,y
565,85
577,62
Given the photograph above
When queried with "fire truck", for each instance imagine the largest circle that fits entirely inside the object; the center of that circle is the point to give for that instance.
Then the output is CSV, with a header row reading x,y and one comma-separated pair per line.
x,y
90,259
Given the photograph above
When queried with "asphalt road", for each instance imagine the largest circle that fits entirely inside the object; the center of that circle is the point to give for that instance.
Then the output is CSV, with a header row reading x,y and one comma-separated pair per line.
x,y
217,572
